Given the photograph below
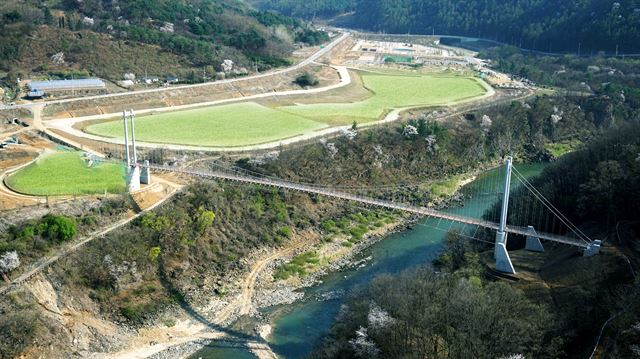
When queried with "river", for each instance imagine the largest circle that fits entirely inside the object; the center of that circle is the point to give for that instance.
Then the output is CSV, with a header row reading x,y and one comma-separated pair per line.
x,y
298,327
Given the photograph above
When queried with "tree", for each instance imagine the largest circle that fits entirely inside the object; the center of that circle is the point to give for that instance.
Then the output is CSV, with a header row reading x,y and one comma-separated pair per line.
x,y
205,220
436,316
8,262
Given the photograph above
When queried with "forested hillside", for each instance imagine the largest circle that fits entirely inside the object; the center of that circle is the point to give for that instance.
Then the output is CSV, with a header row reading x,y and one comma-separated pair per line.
x,y
546,25
107,38
460,311
307,9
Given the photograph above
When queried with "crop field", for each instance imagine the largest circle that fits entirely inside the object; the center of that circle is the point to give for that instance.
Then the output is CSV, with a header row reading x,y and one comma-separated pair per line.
x,y
226,126
249,123
67,173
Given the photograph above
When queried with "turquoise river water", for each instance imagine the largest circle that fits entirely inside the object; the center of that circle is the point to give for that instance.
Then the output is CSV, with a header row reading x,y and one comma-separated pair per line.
x,y
298,327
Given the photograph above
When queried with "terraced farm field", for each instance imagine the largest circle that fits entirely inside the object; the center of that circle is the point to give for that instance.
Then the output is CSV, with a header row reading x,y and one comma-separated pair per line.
x,y
250,123
67,173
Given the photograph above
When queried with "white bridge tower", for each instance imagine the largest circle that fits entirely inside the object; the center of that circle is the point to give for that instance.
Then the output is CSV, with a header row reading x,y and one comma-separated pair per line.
x,y
503,262
134,172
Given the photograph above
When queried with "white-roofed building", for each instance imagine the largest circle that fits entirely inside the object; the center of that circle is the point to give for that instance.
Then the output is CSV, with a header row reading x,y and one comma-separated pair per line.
x,y
67,85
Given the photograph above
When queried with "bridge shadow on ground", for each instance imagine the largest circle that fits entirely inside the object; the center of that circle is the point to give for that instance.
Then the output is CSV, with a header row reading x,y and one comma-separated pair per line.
x,y
233,338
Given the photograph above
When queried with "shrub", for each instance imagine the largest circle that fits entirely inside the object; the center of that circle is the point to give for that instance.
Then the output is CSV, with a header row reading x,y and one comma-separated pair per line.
x,y
285,232
17,331
306,79
205,220
329,225
358,232
57,228
154,252
298,266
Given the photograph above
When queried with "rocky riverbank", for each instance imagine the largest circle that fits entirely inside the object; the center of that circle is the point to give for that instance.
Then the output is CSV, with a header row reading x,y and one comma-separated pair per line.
x,y
335,257
269,292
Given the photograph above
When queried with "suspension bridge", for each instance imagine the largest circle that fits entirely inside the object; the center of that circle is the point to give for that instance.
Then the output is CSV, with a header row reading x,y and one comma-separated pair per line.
x,y
534,208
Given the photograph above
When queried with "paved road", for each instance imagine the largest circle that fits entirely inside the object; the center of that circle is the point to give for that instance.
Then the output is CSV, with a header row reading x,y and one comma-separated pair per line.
x,y
66,125
307,61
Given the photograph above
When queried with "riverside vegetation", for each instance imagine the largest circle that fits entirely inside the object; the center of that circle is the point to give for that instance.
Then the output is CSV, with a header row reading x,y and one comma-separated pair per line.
x,y
464,313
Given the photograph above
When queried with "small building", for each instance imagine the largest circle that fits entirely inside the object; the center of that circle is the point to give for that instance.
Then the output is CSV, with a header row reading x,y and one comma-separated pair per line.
x,y
172,79
126,83
150,79
35,94
50,86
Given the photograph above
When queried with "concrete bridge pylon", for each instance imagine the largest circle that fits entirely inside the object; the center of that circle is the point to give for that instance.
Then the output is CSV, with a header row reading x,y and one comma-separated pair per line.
x,y
134,175
503,262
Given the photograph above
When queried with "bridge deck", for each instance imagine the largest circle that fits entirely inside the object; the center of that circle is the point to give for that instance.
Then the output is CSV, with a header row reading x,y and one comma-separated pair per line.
x,y
421,211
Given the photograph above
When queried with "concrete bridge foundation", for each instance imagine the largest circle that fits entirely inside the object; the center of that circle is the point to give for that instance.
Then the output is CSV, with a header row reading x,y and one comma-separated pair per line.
x,y
145,173
533,242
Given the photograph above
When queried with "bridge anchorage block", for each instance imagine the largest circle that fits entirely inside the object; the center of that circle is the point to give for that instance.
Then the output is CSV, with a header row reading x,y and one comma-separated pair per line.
x,y
593,248
503,262
533,242
145,173
133,178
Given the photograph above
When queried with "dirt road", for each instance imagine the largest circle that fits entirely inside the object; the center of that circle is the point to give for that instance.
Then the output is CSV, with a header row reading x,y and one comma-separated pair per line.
x,y
64,251
320,53
165,338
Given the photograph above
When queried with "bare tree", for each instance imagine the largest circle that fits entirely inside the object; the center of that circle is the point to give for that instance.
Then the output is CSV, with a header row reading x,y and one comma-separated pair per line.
x,y
8,262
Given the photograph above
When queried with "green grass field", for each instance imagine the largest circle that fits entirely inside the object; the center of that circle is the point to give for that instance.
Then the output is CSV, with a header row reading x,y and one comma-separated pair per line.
x,y
250,123
393,91
401,59
66,173
226,126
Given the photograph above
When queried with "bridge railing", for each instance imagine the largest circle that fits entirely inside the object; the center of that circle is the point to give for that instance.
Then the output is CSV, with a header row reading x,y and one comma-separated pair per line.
x,y
329,192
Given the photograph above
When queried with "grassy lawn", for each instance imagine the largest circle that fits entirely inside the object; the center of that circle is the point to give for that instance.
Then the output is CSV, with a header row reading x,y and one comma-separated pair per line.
x,y
394,58
444,189
66,173
250,123
393,91
562,148
225,126
298,266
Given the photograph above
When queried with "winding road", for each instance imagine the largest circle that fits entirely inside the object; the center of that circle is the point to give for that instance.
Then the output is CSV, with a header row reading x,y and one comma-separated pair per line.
x,y
66,125
323,51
